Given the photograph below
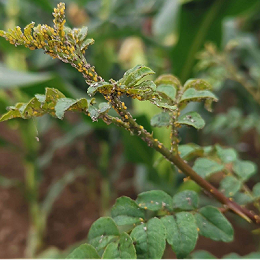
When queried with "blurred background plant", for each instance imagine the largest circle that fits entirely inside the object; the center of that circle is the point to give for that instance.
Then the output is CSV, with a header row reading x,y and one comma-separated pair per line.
x,y
57,177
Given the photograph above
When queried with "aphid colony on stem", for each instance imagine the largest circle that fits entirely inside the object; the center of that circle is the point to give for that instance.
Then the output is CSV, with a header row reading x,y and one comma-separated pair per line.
x,y
60,42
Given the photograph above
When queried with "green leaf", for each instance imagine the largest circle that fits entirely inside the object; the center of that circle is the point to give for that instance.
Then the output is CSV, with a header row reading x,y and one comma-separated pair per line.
x,y
214,225
181,233
253,255
146,84
256,190
102,86
149,239
192,119
202,254
24,110
85,44
104,107
51,97
145,94
93,113
167,91
126,212
188,151
102,232
242,198
41,98
226,155
81,33
194,95
205,167
165,106
244,169
208,149
132,76
168,79
160,120
232,256
186,200
154,200
84,251
64,104
10,115
230,186
198,84
32,109
53,103
122,249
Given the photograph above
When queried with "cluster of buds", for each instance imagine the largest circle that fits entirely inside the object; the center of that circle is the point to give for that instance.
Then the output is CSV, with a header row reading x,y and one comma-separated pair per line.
x,y
60,42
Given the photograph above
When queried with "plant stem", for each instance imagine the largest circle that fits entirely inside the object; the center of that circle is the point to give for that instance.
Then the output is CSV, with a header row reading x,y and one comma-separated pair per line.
x,y
130,124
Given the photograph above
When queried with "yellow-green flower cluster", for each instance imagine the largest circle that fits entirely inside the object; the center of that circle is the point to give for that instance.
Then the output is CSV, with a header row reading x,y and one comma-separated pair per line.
x,y
60,42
